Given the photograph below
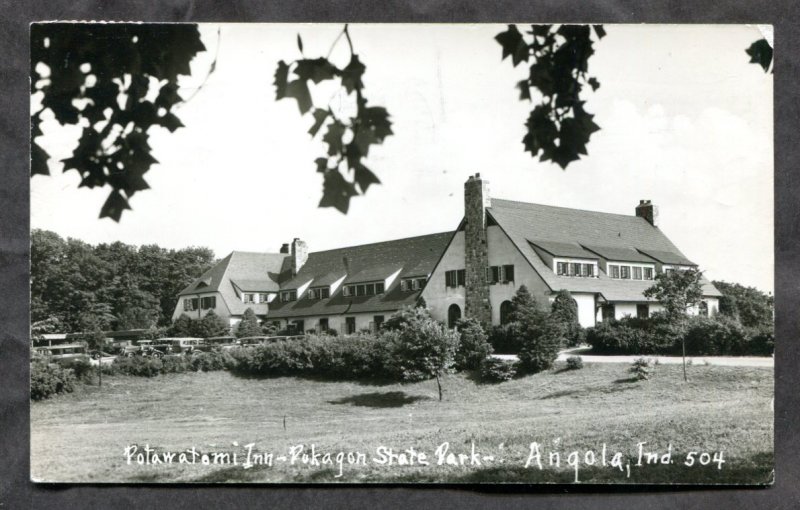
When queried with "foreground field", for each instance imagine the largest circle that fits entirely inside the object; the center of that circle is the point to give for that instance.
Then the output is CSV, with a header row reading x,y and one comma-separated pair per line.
x,y
724,412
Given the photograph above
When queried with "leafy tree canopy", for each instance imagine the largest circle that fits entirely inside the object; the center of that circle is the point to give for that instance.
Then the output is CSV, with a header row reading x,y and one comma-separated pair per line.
x,y
748,305
116,81
558,127
348,139
122,286
677,291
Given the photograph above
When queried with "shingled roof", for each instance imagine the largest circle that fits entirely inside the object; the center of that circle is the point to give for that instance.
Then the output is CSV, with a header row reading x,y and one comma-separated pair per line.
x,y
242,271
414,256
574,231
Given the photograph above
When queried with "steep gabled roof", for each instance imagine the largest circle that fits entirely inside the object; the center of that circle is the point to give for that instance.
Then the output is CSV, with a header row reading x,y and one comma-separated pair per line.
x,y
617,235
241,271
414,256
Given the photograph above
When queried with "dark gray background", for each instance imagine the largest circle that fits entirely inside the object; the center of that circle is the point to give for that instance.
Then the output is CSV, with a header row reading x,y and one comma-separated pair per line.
x,y
17,492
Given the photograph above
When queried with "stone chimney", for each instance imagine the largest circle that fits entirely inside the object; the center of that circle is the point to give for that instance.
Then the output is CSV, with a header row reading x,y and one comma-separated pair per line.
x,y
299,255
648,211
285,248
476,249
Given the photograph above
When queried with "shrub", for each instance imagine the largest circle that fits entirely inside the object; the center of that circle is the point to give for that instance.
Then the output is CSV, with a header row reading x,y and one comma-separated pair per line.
x,y
497,370
640,369
211,325
631,335
175,364
136,365
506,339
565,310
473,346
713,337
50,379
248,326
82,369
349,357
210,361
422,348
761,341
182,327
574,363
541,344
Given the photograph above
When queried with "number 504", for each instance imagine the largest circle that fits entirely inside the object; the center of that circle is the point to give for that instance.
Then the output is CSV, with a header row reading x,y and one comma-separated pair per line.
x,y
704,459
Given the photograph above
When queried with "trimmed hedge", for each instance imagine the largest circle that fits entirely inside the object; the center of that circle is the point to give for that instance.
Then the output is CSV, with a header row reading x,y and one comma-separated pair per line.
x,y
150,367
346,357
704,336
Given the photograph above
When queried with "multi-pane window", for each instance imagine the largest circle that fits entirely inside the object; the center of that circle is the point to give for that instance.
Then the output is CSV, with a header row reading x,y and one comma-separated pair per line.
x,y
455,278
350,325
574,269
208,302
630,272
500,274
263,298
409,284
363,289
323,324
289,295
248,297
190,304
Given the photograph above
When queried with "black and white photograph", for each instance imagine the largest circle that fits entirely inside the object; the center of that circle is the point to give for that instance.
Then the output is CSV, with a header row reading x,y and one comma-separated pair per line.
x,y
407,253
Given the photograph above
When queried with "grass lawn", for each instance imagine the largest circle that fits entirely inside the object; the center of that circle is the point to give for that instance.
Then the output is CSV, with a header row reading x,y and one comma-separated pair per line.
x,y
81,437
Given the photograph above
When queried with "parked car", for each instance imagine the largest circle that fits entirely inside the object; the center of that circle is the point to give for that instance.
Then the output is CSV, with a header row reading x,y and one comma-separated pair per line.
x,y
218,343
250,341
181,345
65,354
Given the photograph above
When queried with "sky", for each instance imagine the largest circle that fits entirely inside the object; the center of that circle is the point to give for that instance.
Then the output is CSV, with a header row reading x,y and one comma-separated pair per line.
x,y
685,122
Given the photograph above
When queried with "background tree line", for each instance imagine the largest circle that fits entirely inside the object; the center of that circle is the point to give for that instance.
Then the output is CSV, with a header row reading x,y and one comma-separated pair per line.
x,y
76,286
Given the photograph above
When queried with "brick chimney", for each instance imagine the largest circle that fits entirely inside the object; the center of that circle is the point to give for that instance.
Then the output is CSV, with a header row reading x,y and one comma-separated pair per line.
x,y
476,249
299,255
648,211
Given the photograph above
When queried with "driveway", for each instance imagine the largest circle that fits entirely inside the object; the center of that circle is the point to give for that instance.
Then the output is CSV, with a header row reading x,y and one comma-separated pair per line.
x,y
728,361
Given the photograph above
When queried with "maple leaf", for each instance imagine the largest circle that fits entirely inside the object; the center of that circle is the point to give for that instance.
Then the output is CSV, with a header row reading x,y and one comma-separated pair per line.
x,y
333,137
351,75
513,44
337,191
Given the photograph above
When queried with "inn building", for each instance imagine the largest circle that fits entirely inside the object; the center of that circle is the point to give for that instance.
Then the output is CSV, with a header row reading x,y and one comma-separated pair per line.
x,y
605,260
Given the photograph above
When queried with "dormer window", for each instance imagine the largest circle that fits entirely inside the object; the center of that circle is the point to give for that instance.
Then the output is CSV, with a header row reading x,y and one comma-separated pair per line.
x,y
363,289
630,272
319,293
248,298
580,269
288,295
412,284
